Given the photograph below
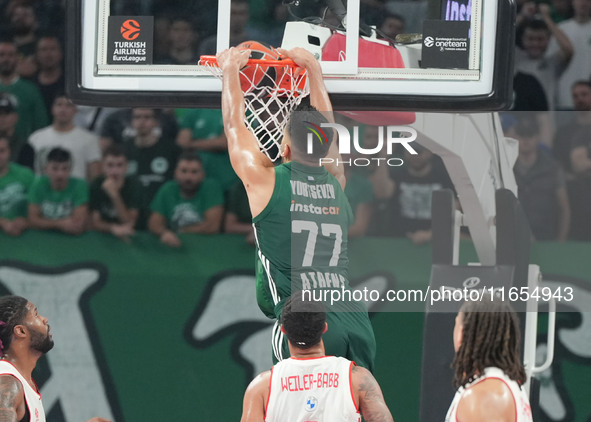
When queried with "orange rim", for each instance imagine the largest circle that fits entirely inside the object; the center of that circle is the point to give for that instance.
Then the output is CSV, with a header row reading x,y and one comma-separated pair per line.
x,y
212,61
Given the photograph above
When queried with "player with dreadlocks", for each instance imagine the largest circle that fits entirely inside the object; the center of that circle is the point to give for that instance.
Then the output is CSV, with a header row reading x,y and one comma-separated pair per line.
x,y
488,372
24,337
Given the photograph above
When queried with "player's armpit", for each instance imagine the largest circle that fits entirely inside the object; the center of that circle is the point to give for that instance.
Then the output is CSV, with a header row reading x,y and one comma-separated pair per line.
x,y
368,395
257,177
255,398
245,155
12,403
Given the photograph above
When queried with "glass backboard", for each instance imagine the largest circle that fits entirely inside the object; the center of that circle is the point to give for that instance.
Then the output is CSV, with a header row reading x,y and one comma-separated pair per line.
x,y
397,55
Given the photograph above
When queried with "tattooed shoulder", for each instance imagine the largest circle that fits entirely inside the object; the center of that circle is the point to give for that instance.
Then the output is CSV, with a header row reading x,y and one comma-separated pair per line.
x,y
11,393
366,382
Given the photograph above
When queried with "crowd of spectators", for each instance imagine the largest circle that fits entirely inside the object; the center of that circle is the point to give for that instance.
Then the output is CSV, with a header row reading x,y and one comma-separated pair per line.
x,y
73,169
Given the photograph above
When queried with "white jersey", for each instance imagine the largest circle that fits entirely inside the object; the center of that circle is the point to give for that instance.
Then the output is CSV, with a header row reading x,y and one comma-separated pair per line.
x,y
522,406
32,397
312,390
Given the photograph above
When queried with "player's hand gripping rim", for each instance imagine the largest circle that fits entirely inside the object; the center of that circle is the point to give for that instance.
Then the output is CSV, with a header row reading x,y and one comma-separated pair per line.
x,y
232,58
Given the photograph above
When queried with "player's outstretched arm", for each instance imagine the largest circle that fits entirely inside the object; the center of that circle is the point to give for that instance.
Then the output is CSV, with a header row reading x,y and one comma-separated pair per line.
x,y
369,397
255,398
12,399
249,163
320,100
318,94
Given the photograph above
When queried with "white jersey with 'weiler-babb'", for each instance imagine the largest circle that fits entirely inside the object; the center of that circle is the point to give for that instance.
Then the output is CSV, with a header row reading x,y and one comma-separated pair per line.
x,y
32,397
312,390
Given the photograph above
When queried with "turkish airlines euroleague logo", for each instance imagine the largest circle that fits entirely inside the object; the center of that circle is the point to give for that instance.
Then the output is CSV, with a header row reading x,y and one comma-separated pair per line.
x,y
130,40
130,29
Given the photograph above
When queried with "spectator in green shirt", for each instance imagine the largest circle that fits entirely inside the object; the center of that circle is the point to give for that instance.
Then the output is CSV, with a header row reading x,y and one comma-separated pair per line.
x,y
202,131
189,204
115,198
58,201
15,181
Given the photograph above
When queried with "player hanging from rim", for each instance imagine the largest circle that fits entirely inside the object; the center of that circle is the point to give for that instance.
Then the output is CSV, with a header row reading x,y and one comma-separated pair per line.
x,y
298,244
311,385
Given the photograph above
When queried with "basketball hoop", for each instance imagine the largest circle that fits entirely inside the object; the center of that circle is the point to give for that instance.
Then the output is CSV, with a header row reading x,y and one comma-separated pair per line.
x,y
271,91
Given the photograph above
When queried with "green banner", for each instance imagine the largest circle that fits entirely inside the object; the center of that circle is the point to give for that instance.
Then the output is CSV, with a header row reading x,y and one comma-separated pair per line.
x,y
147,333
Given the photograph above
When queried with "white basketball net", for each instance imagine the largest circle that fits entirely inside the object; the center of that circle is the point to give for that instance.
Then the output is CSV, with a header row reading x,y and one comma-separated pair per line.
x,y
271,92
